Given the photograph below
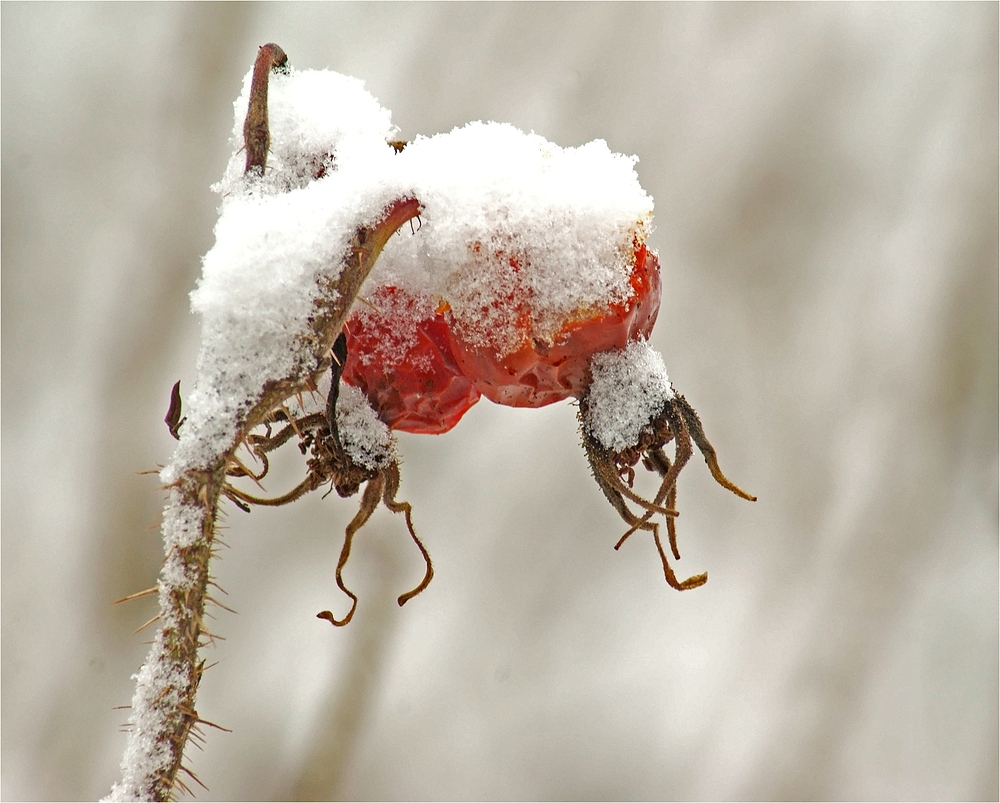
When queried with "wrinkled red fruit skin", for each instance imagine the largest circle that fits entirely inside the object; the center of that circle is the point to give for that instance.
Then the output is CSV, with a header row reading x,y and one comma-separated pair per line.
x,y
538,373
426,392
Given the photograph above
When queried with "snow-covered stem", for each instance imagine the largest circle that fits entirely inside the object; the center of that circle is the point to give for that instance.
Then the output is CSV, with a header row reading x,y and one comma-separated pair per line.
x,y
164,713
163,707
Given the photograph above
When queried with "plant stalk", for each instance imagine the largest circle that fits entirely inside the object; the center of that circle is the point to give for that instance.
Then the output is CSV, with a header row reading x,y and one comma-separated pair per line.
x,y
164,712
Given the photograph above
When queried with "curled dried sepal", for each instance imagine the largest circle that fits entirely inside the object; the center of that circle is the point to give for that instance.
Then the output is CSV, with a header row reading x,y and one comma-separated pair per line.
x,y
345,458
382,488
628,414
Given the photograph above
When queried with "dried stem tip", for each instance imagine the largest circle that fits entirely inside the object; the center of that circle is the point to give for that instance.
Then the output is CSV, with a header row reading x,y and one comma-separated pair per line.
x,y
256,137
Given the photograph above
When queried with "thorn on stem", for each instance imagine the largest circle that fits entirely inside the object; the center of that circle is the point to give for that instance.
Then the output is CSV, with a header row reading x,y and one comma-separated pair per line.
x,y
137,595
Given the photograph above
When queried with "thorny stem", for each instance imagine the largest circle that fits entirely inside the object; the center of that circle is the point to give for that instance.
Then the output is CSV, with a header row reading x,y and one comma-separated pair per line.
x,y
164,713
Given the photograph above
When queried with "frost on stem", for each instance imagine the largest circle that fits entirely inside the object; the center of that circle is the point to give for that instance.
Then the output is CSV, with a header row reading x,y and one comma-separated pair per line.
x,y
630,413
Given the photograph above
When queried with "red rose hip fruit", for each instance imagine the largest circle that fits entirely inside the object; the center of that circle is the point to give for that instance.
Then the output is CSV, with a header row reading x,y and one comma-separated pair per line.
x,y
537,372
399,354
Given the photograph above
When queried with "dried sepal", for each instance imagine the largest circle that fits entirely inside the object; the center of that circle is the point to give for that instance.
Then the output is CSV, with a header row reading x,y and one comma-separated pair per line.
x,y
173,418
613,455
331,464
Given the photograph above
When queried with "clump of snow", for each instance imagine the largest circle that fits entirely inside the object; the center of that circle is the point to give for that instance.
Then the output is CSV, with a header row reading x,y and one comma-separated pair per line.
x,y
365,438
517,235
183,523
628,390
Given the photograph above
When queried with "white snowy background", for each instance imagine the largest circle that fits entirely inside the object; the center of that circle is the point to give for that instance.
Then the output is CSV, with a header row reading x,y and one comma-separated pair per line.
x,y
826,190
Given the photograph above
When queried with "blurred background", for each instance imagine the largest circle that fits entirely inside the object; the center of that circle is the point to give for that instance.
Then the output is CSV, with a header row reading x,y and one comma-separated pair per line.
x,y
826,186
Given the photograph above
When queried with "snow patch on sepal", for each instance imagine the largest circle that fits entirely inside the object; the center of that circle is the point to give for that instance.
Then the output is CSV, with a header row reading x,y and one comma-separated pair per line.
x,y
365,438
628,390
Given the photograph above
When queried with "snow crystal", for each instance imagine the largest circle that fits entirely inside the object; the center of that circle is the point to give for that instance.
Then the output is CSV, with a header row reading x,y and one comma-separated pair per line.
x,y
628,391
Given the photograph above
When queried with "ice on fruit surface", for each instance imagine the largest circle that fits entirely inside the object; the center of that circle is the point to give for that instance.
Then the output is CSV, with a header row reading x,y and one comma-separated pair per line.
x,y
541,372
399,353
628,389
